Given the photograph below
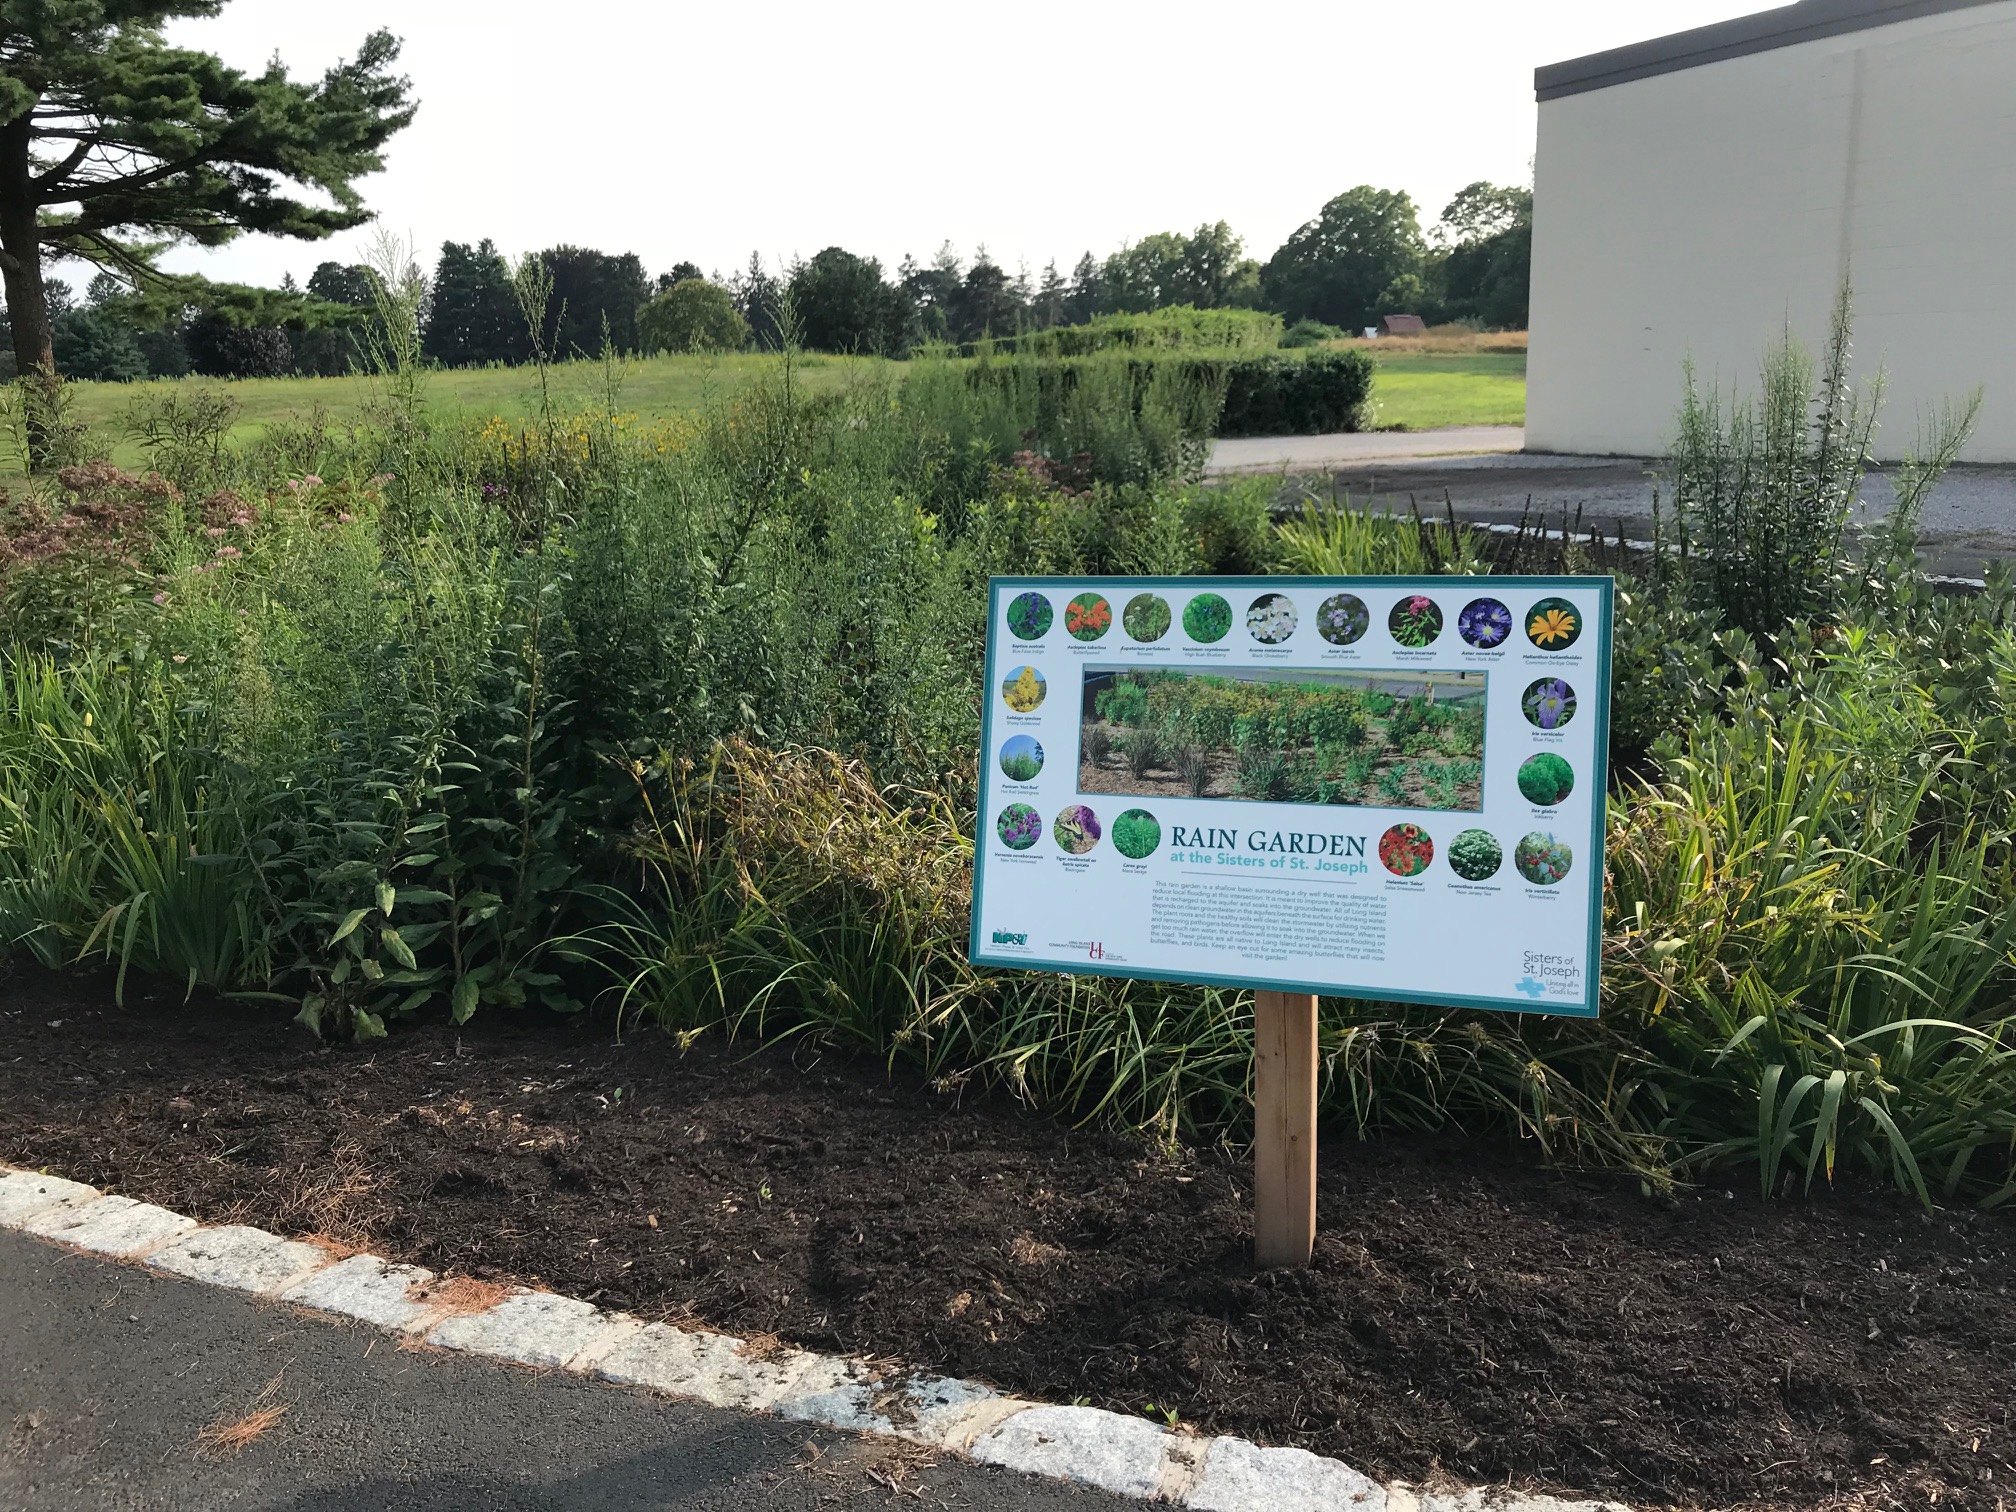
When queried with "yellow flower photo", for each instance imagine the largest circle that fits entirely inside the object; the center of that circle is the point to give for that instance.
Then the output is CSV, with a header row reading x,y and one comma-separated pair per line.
x,y
1553,624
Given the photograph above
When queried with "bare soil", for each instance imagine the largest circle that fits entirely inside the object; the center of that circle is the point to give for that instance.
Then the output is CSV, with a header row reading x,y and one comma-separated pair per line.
x,y
1469,1315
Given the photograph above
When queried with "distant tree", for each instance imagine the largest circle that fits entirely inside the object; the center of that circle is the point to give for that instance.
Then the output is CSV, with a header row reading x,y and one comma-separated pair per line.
x,y
95,339
473,317
1141,274
692,316
1208,268
330,349
343,283
1486,260
589,287
107,131
759,299
1339,266
1086,298
681,272
220,349
934,292
989,304
1047,306
843,305
1482,210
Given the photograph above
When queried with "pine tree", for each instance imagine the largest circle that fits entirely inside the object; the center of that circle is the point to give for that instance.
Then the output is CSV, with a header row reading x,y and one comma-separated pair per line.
x,y
114,146
1088,293
474,318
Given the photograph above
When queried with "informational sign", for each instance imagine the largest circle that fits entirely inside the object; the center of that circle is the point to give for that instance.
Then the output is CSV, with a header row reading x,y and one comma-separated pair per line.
x,y
1387,788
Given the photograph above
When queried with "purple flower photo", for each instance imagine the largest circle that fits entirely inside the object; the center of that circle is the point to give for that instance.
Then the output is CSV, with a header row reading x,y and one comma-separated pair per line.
x,y
1484,623
1548,703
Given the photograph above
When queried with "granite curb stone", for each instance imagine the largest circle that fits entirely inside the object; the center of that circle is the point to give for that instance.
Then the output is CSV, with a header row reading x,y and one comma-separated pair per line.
x,y
1125,1455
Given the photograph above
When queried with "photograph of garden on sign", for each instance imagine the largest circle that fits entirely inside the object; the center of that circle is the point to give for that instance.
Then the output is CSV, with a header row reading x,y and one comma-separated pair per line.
x,y
1375,739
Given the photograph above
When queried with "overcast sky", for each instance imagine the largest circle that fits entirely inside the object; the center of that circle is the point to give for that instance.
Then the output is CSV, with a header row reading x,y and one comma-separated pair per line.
x,y
702,132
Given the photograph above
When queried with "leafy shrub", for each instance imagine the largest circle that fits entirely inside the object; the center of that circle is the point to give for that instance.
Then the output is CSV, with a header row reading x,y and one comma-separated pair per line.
x,y
1146,617
1123,703
1029,616
1207,618
693,315
1540,857
1309,333
1546,779
1475,855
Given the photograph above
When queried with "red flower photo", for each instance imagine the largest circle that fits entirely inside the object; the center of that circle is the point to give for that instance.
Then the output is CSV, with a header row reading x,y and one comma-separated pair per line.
x,y
1406,850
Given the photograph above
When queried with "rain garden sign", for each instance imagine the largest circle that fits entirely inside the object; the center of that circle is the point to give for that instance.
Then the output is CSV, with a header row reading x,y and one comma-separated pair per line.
x,y
1386,788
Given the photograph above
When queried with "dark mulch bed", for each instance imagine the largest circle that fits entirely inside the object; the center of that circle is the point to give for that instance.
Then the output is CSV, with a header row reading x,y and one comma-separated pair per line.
x,y
1468,1315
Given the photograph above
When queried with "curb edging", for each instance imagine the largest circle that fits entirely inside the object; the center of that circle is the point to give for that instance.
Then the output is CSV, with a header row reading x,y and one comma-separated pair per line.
x,y
1127,1456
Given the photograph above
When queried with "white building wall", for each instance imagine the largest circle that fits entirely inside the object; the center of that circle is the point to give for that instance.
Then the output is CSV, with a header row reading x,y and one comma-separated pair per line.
x,y
1696,212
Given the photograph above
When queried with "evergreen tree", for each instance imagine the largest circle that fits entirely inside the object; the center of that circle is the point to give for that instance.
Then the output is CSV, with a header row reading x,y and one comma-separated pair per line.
x,y
474,317
934,293
114,144
988,305
589,289
1048,306
759,300
1087,297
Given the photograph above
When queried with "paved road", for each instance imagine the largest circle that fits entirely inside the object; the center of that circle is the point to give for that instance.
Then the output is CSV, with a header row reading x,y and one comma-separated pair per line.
x,y
1265,454
1970,518
109,1375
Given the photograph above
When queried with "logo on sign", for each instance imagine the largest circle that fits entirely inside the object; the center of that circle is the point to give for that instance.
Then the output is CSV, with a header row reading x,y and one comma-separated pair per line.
x,y
1532,988
1003,937
1097,952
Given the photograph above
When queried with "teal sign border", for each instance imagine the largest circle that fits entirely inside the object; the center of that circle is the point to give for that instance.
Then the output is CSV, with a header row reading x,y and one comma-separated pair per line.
x,y
1606,590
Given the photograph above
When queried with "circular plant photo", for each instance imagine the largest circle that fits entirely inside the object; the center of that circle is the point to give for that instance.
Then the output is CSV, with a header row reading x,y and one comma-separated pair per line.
x,y
1018,826
1207,618
1021,758
1270,619
1076,828
1088,617
1543,859
1146,617
1023,689
1415,621
1406,850
1475,855
1548,703
1553,624
1029,616
1342,619
1484,623
1136,834
1546,779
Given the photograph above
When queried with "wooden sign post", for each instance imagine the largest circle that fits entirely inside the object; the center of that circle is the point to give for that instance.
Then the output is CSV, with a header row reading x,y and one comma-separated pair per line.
x,y
1284,1128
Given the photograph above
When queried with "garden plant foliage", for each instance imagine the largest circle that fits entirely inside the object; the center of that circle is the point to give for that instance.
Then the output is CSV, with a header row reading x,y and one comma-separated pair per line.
x,y
416,717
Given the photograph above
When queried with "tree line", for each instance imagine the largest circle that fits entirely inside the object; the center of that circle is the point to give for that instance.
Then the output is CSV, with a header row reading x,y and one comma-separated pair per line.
x,y
1363,256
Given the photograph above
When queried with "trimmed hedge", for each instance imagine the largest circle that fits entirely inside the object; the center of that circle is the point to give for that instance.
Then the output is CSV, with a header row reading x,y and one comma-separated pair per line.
x,y
1177,328
1263,396
1287,396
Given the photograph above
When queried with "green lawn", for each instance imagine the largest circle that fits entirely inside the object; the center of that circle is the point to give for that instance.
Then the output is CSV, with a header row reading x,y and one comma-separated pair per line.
x,y
1416,392
1423,392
